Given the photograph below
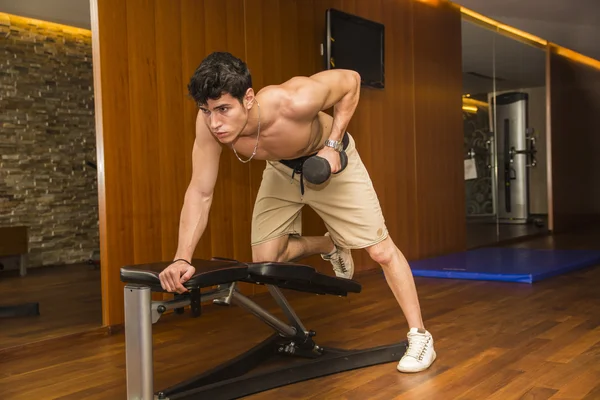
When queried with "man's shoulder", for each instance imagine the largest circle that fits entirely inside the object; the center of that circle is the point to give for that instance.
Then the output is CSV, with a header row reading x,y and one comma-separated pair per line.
x,y
274,97
288,98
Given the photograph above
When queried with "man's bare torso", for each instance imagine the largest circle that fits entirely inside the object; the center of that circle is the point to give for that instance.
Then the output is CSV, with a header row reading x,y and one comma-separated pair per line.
x,y
282,135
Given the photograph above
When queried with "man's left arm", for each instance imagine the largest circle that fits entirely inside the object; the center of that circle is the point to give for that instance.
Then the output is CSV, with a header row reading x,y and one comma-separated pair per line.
x,y
340,90
337,88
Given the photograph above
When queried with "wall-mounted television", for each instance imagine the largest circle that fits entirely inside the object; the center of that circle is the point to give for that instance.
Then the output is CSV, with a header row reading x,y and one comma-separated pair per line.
x,y
353,42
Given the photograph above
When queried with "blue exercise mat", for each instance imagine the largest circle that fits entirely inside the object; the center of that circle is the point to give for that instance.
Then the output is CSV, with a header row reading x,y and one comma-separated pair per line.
x,y
505,264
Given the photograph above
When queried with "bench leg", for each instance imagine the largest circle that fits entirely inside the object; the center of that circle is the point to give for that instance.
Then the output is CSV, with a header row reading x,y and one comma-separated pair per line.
x,y
138,343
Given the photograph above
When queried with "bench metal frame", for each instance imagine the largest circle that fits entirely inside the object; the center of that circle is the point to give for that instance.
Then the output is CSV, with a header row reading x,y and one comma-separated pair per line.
x,y
234,378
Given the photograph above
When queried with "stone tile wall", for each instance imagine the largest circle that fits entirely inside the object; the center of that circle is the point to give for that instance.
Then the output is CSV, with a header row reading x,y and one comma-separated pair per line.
x,y
47,138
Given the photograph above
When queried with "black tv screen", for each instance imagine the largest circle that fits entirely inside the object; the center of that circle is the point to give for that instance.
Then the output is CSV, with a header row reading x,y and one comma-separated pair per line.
x,y
356,43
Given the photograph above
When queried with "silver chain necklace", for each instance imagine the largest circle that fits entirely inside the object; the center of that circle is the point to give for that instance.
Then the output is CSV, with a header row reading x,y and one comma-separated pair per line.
x,y
257,137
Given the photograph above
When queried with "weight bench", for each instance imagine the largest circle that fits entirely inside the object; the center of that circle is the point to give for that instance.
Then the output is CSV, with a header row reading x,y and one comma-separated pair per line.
x,y
234,379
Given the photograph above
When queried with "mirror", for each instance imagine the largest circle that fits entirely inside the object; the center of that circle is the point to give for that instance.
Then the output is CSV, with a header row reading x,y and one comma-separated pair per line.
x,y
519,126
504,115
49,240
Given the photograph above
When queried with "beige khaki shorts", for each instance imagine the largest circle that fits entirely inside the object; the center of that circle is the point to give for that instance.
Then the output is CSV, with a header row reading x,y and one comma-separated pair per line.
x,y
347,203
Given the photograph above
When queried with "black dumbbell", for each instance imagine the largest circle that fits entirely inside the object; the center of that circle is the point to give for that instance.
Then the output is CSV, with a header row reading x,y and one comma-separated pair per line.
x,y
317,170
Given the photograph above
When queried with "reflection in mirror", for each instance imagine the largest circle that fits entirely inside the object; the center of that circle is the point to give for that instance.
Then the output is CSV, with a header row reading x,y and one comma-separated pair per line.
x,y
49,272
519,123
505,175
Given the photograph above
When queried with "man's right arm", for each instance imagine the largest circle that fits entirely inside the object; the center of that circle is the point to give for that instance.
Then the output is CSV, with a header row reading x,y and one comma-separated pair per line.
x,y
196,206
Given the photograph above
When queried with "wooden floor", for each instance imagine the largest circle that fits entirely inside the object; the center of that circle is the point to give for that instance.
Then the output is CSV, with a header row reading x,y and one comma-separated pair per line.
x,y
494,340
69,298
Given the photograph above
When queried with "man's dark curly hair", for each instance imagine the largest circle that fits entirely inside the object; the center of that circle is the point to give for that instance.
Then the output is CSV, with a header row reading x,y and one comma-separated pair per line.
x,y
219,73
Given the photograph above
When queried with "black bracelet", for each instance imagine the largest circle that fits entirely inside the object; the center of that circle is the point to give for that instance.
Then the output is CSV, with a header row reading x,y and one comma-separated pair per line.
x,y
184,260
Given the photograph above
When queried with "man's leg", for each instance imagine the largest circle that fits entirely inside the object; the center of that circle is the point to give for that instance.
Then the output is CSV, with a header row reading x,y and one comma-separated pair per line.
x,y
399,278
291,248
277,220
277,224
350,208
420,353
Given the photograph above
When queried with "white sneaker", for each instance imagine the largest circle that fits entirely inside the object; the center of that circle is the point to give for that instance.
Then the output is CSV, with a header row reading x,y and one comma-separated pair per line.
x,y
341,259
420,353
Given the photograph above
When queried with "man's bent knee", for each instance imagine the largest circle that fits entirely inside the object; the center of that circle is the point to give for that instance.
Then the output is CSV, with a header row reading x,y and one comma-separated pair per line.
x,y
384,252
272,251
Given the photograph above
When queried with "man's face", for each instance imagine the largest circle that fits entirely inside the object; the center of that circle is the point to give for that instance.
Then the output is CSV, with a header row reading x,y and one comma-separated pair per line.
x,y
225,117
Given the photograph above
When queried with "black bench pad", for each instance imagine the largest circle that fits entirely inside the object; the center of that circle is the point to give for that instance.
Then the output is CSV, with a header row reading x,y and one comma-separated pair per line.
x,y
299,277
217,271
208,273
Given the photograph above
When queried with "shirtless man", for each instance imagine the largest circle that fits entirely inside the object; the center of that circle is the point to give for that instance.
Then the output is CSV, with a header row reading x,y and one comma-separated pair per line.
x,y
282,124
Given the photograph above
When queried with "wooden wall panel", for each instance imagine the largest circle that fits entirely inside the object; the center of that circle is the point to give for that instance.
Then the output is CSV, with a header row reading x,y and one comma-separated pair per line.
x,y
111,81
144,204
575,117
438,129
171,129
148,50
400,174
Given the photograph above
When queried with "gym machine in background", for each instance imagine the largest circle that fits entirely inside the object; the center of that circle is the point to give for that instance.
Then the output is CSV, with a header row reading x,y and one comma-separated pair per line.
x,y
515,156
